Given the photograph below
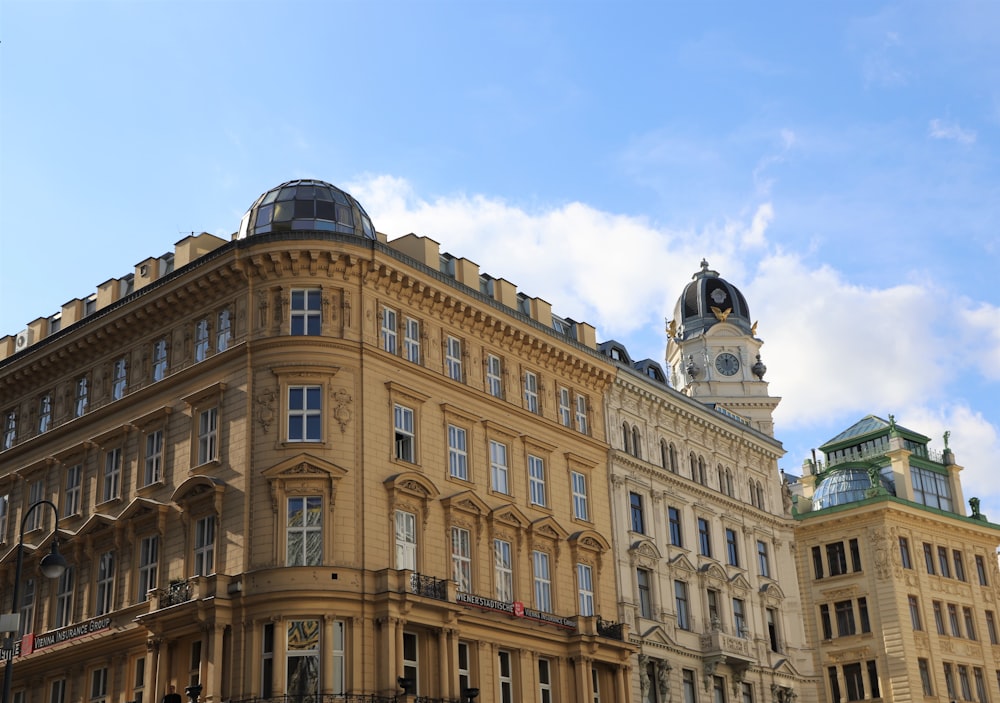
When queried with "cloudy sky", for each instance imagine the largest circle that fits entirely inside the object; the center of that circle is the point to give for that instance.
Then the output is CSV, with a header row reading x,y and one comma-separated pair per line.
x,y
837,161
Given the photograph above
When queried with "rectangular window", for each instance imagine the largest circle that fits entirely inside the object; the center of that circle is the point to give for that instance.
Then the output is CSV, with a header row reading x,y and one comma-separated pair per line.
x,y
718,689
74,477
855,555
544,681
506,677
863,614
112,474
453,358
991,627
943,565
153,472
530,392
580,508
925,676
836,558
498,467
681,603
834,683
956,630
411,340
204,546
159,362
963,681
503,570
714,621
938,617
99,685
740,618
461,559
949,680
845,618
4,505
581,414
643,578
817,557
267,661
929,558
389,330
915,613
64,597
931,488
302,658
674,518
772,628
904,553
543,581
747,690
27,609
208,435
201,340
35,494
732,548
406,540
44,413
149,559
564,411
120,379
536,479
494,377
854,681
688,685
981,570
959,563
704,538
405,442
980,684
80,405
57,692
464,670
970,627
595,684
223,332
306,311
585,588
763,564
824,614
635,506
304,531
458,459
305,413
104,594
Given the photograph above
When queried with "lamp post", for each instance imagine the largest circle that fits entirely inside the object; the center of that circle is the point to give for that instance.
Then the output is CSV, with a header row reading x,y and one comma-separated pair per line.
x,y
52,566
470,695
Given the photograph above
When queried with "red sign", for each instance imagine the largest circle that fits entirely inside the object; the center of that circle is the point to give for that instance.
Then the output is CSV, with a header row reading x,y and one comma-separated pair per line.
x,y
519,609
27,643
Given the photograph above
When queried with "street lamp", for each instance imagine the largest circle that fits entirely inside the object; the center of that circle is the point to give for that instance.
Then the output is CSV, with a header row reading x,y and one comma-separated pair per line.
x,y
470,695
52,566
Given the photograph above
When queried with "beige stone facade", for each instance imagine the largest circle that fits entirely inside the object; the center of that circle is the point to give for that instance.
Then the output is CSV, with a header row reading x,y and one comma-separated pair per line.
x,y
311,463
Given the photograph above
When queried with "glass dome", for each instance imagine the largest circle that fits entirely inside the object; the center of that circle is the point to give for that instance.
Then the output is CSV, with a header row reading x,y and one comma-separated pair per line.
x,y
306,205
846,485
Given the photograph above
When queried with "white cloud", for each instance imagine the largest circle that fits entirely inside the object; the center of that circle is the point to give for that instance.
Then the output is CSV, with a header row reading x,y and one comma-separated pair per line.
x,y
943,129
982,329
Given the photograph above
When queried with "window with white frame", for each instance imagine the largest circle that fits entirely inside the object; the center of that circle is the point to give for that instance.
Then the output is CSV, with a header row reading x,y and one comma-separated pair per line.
x,y
581,414
564,409
223,331
57,692
208,435
579,487
44,413
4,505
405,441
201,340
585,588
80,404
506,676
458,459
339,657
643,582
64,597
763,562
931,488
406,540
153,472
120,379
305,413
740,618
104,593
306,311
503,570
112,474
498,467
36,492
411,340
531,391
494,376
681,605
545,680
27,609
453,358
149,559
388,331
411,660
536,479
194,664
159,360
461,558
595,684
99,685
302,658
204,546
464,670
304,531
543,581
10,429
267,661
74,478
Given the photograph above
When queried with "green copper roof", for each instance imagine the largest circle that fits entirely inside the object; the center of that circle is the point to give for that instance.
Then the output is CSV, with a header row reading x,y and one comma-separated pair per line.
x,y
871,425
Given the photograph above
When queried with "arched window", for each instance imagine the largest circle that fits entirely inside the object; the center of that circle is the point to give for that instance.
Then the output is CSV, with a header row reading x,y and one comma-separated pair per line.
x,y
694,467
636,443
702,479
673,457
722,478
729,482
753,494
626,435
664,458
760,497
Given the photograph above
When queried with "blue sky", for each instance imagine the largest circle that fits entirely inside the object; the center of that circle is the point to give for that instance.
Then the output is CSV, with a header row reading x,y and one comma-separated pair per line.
x,y
838,161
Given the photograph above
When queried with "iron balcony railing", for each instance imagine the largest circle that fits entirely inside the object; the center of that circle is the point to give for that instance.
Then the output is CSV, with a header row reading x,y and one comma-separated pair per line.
x,y
611,630
345,698
428,586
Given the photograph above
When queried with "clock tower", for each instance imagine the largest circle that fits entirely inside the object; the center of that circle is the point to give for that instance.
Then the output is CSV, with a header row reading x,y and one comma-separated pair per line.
x,y
713,352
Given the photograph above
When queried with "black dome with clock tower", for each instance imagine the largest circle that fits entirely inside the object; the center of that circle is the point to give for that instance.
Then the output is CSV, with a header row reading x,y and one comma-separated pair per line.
x,y
707,300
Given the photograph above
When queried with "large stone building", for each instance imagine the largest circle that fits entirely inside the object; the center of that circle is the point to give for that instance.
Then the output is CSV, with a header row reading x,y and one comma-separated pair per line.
x,y
901,586
703,533
307,461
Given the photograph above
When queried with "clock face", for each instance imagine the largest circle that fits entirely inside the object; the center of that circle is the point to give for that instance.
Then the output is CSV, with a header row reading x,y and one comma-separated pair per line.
x,y
727,364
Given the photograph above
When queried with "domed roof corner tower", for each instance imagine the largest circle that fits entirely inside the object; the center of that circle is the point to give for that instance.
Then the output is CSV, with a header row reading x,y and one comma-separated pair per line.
x,y
713,352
